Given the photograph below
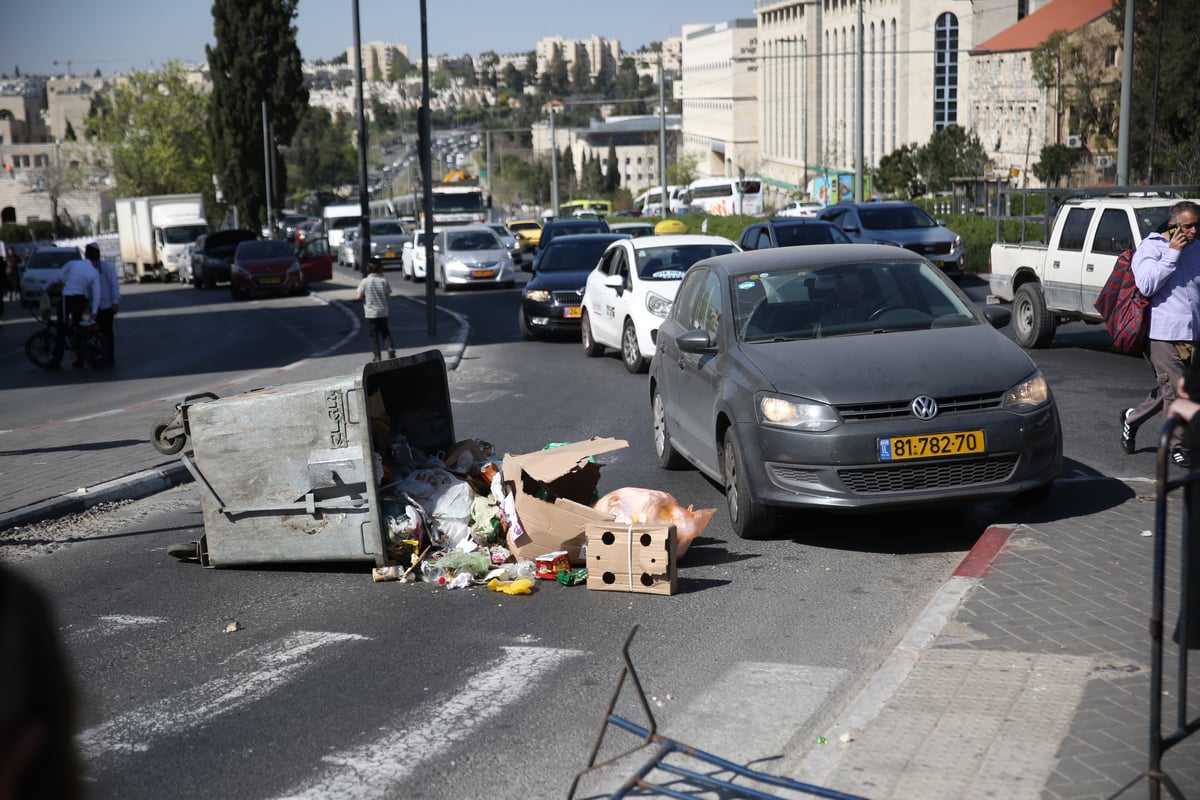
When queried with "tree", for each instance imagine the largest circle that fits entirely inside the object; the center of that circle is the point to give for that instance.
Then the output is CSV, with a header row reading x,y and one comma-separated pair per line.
x,y
322,153
1074,67
1165,93
1055,163
683,171
612,168
898,171
151,123
255,61
951,152
513,78
67,174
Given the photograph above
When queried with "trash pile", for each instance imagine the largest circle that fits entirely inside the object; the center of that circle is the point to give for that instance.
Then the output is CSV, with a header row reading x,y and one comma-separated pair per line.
x,y
473,518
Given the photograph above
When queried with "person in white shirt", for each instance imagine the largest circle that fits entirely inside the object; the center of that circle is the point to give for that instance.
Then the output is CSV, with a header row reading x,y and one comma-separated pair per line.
x,y
80,285
374,291
110,299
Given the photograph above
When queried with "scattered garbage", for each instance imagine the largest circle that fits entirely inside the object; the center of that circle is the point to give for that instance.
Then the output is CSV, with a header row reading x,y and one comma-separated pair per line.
x,y
367,467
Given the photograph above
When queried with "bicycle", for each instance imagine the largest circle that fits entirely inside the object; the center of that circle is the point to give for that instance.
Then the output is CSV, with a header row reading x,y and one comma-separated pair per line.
x,y
39,347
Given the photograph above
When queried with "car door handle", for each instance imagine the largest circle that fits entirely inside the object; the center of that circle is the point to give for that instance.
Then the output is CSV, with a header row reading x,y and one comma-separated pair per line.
x,y
1057,264
1090,268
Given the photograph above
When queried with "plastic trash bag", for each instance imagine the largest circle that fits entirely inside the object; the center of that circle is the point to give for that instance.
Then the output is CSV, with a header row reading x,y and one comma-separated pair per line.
x,y
634,506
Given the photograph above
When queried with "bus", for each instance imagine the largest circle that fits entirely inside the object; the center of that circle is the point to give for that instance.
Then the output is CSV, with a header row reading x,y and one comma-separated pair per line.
x,y
453,204
649,202
724,197
579,208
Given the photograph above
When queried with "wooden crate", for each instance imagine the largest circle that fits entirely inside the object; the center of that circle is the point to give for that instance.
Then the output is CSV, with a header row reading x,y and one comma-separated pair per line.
x,y
637,558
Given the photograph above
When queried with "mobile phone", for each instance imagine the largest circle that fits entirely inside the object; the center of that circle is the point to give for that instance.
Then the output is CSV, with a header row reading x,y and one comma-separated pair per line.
x,y
1171,231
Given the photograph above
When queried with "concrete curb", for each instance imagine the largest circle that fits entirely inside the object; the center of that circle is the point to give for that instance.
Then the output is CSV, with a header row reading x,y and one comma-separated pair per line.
x,y
130,487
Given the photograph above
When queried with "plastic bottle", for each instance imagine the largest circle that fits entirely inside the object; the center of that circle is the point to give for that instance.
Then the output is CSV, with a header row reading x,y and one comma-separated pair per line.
x,y
432,572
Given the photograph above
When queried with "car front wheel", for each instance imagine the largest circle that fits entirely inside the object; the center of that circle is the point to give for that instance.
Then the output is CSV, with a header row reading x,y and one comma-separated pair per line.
x,y
750,520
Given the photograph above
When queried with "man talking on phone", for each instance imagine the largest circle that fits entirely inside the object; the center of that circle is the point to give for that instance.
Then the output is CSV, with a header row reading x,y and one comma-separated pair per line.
x,y
1166,268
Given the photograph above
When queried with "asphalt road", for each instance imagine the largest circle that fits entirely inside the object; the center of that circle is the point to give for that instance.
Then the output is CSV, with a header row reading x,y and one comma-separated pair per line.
x,y
335,686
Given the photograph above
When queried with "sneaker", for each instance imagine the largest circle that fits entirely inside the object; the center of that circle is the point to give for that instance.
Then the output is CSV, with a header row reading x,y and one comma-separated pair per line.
x,y
391,353
1128,433
1181,457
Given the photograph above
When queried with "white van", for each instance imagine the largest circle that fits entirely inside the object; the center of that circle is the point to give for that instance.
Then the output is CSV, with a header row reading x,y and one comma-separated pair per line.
x,y
650,201
337,219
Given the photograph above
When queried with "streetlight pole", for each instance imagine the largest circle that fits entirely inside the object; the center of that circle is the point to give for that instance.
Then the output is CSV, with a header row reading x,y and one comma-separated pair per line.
x,y
553,164
364,197
267,168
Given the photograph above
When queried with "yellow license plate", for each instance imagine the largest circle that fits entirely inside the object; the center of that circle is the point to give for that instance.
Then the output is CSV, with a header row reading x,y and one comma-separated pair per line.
x,y
933,445
270,280
573,312
390,254
482,273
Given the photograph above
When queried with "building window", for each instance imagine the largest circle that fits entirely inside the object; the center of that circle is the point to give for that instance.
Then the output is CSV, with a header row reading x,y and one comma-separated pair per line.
x,y
945,71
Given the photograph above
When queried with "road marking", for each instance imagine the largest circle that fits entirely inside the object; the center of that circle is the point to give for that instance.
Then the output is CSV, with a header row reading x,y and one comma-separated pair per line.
x,y
272,666
375,769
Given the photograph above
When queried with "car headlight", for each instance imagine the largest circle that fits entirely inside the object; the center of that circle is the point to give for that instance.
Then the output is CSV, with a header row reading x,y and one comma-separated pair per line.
x,y
658,305
785,412
238,269
1029,395
957,242
538,295
295,267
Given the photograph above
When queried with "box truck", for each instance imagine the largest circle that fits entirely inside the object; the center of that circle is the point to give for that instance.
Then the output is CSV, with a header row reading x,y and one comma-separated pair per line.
x,y
155,232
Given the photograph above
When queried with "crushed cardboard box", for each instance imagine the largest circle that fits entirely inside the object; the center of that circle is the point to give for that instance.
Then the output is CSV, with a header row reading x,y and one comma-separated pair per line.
x,y
554,490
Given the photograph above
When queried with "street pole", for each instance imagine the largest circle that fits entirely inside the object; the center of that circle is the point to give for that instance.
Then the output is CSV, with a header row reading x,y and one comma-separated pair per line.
x,y
425,149
858,111
267,168
1126,100
662,138
364,197
553,164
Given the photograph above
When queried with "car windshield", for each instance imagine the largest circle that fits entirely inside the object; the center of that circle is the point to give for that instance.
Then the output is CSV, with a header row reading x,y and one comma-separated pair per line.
x,y
669,263
1152,218
472,240
267,248
895,218
562,256
387,229
790,235
844,299
184,234
51,259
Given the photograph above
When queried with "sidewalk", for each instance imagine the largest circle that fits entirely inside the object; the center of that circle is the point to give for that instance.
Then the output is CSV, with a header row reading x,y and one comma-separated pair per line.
x,y
71,466
1028,676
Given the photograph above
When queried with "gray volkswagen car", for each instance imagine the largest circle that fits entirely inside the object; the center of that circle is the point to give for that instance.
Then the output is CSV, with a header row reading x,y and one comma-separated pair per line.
x,y
904,225
846,377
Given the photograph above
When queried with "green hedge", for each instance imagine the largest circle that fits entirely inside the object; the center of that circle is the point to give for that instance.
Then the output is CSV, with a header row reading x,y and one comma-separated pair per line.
x,y
978,233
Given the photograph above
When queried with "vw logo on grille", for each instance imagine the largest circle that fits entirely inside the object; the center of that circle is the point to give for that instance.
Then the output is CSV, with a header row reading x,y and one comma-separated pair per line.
x,y
924,407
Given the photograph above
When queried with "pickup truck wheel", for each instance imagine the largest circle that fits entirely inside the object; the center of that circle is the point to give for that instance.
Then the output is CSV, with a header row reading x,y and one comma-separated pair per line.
x,y
1033,326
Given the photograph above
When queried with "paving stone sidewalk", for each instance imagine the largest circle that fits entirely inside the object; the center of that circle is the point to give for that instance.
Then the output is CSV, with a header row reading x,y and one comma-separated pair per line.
x,y
1038,685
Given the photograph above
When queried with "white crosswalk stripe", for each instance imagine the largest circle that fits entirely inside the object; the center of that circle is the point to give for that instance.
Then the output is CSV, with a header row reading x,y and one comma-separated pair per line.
x,y
374,769
266,669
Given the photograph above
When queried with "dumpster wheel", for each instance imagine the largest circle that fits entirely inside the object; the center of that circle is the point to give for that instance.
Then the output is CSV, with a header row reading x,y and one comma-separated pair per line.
x,y
185,551
166,446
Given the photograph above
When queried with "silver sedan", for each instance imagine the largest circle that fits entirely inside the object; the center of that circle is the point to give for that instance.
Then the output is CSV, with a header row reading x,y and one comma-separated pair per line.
x,y
846,377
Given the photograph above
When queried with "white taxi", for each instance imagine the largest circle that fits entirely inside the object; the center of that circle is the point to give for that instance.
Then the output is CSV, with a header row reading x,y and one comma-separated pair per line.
x,y
630,292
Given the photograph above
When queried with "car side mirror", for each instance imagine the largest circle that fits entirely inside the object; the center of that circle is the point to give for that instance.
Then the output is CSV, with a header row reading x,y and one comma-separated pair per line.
x,y
696,341
997,316
614,281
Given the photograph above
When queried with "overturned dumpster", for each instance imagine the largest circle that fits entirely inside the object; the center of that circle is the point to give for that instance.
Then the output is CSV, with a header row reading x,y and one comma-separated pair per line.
x,y
289,474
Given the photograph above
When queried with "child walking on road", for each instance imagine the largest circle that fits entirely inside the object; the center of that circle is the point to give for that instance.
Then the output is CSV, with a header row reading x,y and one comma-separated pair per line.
x,y
374,291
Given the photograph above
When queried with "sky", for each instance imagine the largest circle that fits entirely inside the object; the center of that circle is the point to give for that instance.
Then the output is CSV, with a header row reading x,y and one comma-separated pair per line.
x,y
42,36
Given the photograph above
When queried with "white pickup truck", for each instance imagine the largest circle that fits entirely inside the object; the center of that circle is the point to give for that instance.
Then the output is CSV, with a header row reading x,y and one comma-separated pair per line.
x,y
1059,282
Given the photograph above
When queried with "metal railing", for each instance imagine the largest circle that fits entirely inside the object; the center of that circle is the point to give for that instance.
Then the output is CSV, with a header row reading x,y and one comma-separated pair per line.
x,y
1160,740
